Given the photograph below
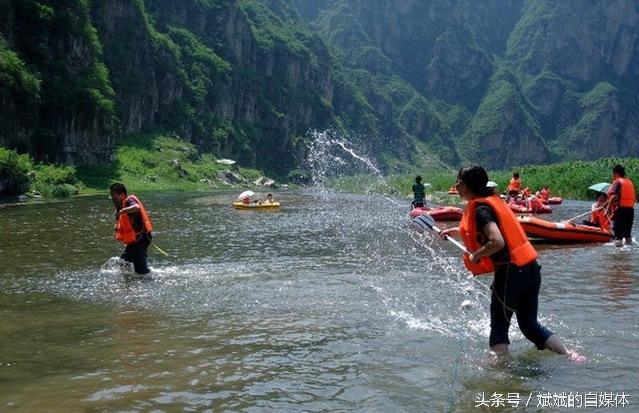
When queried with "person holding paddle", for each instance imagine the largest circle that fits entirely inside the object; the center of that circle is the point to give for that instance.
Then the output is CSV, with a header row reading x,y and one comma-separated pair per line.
x,y
133,227
598,216
496,242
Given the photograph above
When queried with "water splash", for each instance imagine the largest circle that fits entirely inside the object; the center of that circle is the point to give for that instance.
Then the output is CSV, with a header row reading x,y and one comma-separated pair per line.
x,y
331,155
116,265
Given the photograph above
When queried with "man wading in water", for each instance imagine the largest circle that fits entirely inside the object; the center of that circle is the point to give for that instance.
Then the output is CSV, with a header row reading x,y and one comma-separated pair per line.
x,y
498,244
133,227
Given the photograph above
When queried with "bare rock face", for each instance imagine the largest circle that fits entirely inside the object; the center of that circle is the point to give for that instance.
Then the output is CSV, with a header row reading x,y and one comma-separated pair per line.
x,y
458,69
60,100
231,178
583,41
510,139
264,181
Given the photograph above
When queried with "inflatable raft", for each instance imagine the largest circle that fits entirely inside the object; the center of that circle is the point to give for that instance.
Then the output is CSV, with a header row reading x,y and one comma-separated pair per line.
x,y
523,209
555,200
562,232
241,205
444,213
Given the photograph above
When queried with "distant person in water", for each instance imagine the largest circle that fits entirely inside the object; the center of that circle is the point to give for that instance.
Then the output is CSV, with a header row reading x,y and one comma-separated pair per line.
x,y
622,201
419,193
498,244
133,227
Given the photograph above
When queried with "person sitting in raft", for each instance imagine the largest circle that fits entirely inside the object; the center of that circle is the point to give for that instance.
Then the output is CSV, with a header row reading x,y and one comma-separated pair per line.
x,y
133,227
498,244
545,194
598,216
535,204
268,200
514,186
419,193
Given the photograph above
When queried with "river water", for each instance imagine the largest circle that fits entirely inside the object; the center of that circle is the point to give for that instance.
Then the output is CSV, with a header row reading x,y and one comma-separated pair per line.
x,y
331,304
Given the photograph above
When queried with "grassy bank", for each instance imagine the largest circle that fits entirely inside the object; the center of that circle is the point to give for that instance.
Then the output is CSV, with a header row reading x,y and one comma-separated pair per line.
x,y
160,163
566,179
155,162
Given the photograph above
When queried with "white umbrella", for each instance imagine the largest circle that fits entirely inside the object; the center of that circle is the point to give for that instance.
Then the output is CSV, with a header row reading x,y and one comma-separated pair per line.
x,y
246,194
600,187
491,184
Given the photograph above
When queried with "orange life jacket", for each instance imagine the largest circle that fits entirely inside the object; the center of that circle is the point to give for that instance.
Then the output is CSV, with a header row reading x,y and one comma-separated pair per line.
x,y
600,218
520,249
627,196
545,194
515,185
535,204
525,192
124,231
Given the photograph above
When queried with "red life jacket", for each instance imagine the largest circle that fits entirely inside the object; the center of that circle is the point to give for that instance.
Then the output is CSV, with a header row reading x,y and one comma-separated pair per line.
x,y
545,194
520,249
124,231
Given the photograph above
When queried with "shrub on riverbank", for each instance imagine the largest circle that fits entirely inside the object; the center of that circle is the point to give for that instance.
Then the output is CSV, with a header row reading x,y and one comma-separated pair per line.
x,y
14,170
19,175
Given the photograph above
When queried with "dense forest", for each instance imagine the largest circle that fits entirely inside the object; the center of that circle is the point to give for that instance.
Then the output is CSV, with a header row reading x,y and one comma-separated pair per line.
x,y
502,82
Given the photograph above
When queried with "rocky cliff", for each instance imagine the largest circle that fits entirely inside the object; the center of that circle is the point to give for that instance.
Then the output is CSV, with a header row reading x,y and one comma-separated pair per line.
x,y
53,83
513,81
502,82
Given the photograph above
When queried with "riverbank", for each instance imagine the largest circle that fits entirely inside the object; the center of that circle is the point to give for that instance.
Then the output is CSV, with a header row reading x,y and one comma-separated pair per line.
x,y
566,179
161,162
154,162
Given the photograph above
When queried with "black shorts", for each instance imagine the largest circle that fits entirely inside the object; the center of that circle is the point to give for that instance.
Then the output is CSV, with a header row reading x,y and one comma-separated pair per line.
x,y
136,253
622,222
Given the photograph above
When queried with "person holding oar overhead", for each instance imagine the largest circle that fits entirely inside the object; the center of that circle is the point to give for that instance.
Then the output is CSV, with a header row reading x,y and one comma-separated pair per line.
x,y
496,242
133,227
622,199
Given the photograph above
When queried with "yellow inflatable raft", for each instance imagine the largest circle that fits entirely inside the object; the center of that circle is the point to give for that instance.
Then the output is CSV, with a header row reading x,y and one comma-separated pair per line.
x,y
241,205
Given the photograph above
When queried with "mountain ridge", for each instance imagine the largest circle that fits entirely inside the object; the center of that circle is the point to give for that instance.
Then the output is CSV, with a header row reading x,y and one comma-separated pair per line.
x,y
502,83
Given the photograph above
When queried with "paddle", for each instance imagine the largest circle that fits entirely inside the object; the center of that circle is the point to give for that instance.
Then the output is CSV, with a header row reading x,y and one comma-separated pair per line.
x,y
160,249
605,205
426,221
